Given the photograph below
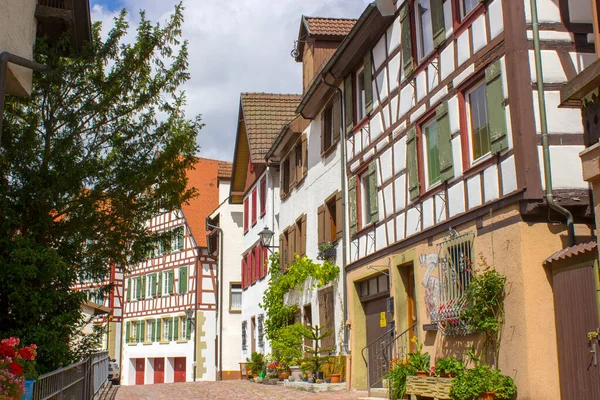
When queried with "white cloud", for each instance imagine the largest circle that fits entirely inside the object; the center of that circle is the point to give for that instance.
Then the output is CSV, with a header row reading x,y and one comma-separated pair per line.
x,y
235,46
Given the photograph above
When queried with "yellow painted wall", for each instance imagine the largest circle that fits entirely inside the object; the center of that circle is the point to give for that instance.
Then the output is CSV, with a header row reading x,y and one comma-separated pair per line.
x,y
528,349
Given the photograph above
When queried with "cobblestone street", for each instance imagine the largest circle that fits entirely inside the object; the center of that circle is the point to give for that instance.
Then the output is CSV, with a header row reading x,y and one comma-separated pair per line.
x,y
226,390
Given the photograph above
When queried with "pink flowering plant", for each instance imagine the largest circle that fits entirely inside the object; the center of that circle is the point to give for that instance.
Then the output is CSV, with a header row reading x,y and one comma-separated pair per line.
x,y
277,366
16,365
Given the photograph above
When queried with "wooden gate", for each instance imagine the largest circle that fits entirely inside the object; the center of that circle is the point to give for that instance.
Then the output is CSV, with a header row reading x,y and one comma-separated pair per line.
x,y
576,315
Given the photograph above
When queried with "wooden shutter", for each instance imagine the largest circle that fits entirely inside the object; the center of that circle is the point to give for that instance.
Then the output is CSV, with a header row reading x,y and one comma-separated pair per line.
x,y
243,266
304,156
254,205
246,215
257,275
321,223
339,225
188,331
153,285
128,332
183,279
263,195
323,128
352,215
143,289
444,141
249,268
349,103
265,261
171,281
159,286
303,241
413,165
291,245
137,287
129,289
336,116
437,22
326,316
495,107
407,58
158,323
368,77
282,251
373,201
293,166
298,237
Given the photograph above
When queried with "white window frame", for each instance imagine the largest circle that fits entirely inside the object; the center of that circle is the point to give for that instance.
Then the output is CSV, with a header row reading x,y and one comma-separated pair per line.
x,y
133,288
237,291
419,31
182,328
134,330
175,242
165,330
149,286
360,102
149,330
488,155
428,185
365,200
165,282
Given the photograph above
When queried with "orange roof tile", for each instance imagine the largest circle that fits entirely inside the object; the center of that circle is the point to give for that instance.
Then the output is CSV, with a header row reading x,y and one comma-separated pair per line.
x,y
318,26
204,178
264,115
225,170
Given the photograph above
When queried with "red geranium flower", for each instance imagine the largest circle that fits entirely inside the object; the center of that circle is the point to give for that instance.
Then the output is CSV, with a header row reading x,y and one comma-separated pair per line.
x,y
15,368
27,353
6,350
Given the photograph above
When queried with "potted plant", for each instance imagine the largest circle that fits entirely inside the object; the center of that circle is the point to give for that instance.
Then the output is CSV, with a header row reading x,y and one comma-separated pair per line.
x,y
327,250
419,360
255,364
17,369
396,378
449,367
482,382
318,355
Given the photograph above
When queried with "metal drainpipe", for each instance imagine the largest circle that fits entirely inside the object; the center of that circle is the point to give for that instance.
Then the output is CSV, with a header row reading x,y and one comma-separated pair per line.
x,y
343,179
5,58
196,311
220,304
544,127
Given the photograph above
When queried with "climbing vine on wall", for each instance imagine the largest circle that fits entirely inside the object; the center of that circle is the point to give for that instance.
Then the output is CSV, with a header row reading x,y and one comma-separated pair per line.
x,y
278,314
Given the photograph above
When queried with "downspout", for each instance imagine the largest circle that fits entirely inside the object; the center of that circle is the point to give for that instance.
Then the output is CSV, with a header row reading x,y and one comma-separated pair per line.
x,y
220,304
343,179
5,58
544,127
196,311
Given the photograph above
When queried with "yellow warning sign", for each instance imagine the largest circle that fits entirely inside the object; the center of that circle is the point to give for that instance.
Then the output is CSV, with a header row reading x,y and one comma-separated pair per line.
x,y
382,320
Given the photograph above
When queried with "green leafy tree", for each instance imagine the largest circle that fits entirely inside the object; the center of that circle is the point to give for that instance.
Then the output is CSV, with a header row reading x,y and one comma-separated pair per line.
x,y
100,146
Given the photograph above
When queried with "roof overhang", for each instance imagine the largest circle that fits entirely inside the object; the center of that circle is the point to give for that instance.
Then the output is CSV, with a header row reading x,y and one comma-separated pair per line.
x,y
288,135
241,156
367,30
580,86
579,253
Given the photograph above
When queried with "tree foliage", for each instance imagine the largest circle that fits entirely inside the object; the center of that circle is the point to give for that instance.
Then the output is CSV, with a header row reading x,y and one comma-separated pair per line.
x,y
100,146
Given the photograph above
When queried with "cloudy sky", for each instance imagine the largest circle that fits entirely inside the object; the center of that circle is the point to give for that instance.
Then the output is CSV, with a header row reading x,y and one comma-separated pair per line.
x,y
235,46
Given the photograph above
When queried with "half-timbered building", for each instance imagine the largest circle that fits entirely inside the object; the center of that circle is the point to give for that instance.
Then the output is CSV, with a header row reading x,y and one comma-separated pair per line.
x,y
254,184
445,166
169,315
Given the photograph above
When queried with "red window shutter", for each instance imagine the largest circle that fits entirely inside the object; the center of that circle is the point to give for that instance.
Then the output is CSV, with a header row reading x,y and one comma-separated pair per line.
x,y
249,268
244,285
257,267
265,261
245,215
263,196
254,206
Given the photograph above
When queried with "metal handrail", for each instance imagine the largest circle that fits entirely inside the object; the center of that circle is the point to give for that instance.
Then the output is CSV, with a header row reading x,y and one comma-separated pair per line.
x,y
362,352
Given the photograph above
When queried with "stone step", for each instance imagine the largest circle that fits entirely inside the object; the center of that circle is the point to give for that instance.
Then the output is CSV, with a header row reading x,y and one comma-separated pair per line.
x,y
378,393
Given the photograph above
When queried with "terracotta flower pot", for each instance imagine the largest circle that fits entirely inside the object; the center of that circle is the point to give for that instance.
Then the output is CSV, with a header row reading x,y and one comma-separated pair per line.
x,y
283,375
422,373
335,378
487,396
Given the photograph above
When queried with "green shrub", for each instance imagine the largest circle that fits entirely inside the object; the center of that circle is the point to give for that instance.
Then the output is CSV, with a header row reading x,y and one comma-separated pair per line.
x,y
470,384
256,363
449,366
397,379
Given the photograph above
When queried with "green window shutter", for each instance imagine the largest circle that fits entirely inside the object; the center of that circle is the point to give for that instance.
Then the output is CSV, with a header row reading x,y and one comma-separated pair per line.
x,y
143,289
170,324
142,331
128,332
444,141
413,166
407,58
153,285
175,328
136,328
183,279
352,206
437,22
374,204
138,283
180,238
158,323
495,107
129,289
368,74
188,333
171,281
160,284
349,103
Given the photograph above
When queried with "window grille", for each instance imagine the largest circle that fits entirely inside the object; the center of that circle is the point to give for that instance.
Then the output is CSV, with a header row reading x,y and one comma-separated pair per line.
x,y
455,271
261,341
244,338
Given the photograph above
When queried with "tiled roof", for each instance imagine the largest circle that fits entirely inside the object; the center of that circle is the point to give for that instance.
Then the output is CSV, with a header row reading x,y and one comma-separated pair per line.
x,y
225,169
204,179
265,114
572,252
329,26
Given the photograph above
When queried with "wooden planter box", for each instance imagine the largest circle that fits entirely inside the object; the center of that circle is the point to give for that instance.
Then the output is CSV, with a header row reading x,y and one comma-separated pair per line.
x,y
428,386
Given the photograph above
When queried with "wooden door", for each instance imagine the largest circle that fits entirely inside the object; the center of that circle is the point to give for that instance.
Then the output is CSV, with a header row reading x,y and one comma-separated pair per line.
x,y
410,304
307,322
139,371
378,352
179,375
252,334
576,315
326,317
159,370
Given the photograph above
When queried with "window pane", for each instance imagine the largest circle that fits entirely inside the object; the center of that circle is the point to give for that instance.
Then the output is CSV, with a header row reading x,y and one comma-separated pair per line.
x,y
432,153
479,122
383,283
361,95
425,27
364,288
366,199
373,286
468,6
236,300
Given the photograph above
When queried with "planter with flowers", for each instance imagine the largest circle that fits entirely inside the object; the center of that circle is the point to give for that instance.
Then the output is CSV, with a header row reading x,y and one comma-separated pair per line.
x,y
279,369
17,369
